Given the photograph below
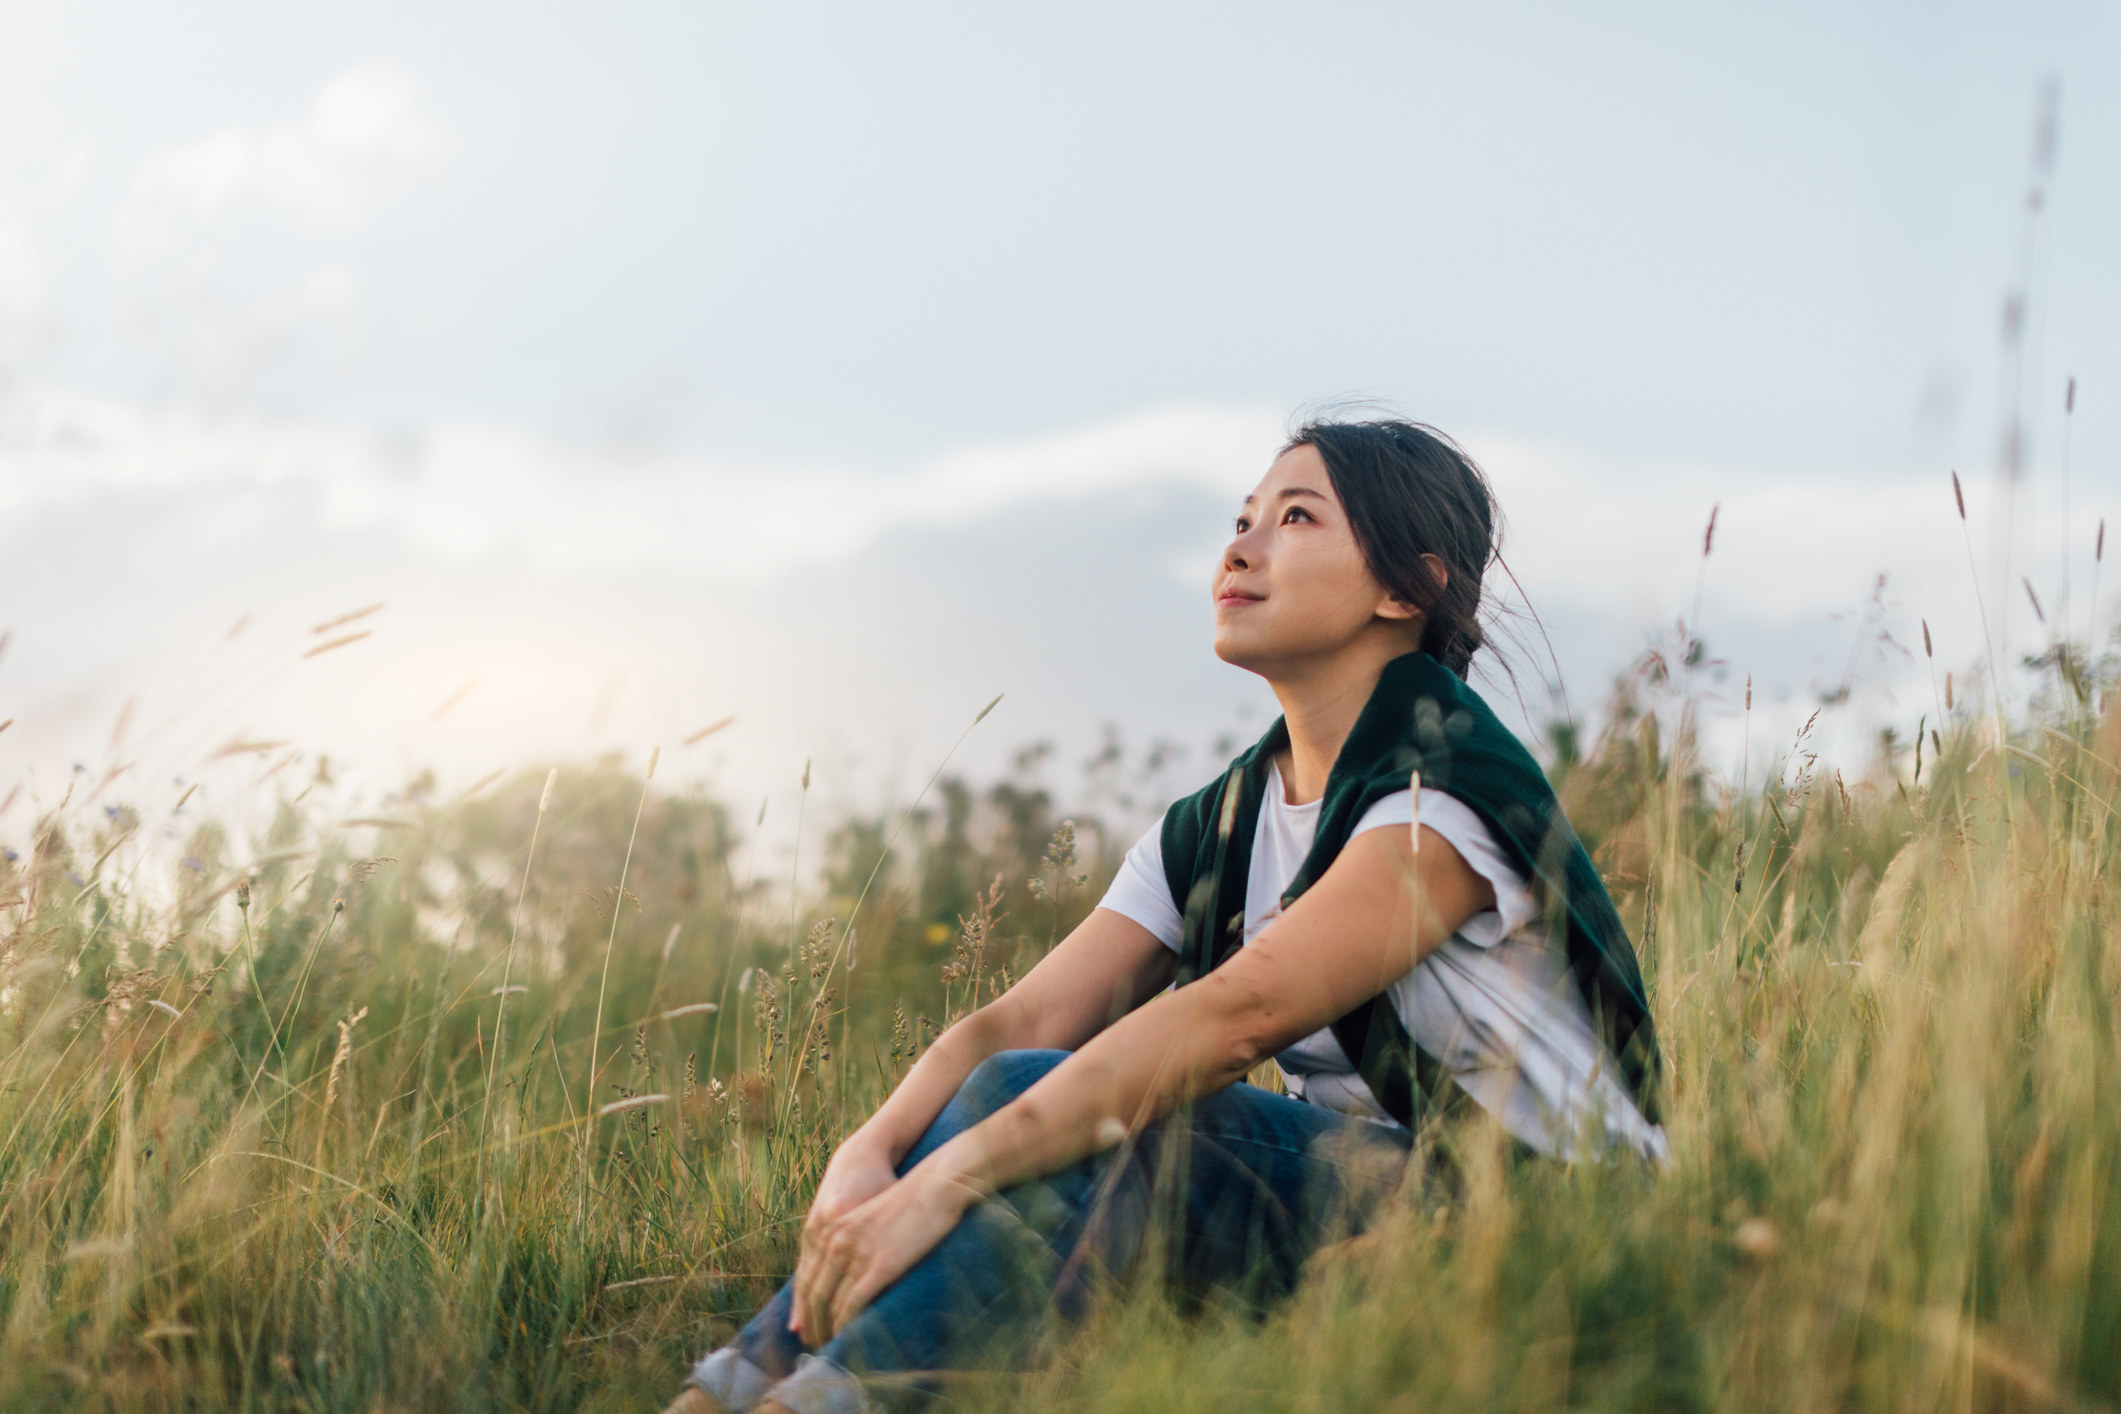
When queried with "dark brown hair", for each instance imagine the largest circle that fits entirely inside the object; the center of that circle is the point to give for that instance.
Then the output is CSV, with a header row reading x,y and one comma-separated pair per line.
x,y
1410,491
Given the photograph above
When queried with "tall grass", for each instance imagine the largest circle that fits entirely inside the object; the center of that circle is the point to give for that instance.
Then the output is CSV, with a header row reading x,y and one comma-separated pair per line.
x,y
273,1154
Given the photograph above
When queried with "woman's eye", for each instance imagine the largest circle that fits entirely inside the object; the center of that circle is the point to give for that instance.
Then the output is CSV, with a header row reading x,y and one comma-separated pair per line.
x,y
1293,513
1242,525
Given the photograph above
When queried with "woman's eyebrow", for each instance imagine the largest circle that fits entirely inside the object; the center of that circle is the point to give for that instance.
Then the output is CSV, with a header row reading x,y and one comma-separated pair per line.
x,y
1292,491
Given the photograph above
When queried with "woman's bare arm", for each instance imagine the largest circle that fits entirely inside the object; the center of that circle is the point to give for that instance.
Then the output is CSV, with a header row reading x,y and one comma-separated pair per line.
x,y
1343,942
1101,971
1349,937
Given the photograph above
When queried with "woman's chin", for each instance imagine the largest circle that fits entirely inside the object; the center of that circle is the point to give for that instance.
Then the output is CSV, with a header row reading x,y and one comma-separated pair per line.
x,y
1241,652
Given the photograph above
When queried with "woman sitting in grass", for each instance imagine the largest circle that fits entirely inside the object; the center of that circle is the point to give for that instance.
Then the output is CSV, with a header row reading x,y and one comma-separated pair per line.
x,y
1381,894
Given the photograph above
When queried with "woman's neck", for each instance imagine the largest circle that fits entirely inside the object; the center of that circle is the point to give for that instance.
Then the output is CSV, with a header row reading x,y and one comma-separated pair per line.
x,y
1320,705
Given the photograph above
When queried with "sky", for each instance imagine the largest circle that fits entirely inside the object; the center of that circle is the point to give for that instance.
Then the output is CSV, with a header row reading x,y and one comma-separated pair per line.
x,y
837,367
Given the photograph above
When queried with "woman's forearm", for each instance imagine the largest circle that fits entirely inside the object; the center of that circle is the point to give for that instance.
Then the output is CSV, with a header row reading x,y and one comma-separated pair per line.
x,y
1189,1042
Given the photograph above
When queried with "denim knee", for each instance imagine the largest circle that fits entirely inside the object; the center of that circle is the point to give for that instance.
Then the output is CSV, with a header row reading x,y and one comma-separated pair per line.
x,y
1003,1076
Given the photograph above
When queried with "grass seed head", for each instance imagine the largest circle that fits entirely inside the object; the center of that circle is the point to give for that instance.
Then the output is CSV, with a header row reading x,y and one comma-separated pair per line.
x,y
340,1056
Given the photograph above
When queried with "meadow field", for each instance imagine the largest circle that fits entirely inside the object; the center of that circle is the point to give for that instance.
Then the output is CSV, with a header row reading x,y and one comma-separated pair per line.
x,y
515,1100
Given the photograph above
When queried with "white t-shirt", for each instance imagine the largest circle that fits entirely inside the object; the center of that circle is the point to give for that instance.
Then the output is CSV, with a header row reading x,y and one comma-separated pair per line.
x,y
1493,1003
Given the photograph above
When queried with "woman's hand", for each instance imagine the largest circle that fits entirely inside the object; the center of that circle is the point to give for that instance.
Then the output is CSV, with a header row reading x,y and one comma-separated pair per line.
x,y
848,1260
857,1173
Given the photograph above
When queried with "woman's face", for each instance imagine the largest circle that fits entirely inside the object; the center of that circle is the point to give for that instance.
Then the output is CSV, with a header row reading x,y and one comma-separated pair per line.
x,y
1292,586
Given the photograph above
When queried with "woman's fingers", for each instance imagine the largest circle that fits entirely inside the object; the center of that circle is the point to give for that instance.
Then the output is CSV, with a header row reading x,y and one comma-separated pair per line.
x,y
855,1293
815,1303
857,1264
806,1265
846,1263
802,1286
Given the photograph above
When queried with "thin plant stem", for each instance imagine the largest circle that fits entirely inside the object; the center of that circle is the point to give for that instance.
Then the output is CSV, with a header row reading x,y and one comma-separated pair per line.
x,y
294,1003
427,1065
736,940
500,1019
795,865
250,961
596,1030
1995,675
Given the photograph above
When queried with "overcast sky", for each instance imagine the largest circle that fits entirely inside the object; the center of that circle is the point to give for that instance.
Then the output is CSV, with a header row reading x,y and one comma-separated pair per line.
x,y
838,367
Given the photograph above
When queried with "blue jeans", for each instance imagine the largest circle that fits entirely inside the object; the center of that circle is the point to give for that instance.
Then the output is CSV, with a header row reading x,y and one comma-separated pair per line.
x,y
1236,1191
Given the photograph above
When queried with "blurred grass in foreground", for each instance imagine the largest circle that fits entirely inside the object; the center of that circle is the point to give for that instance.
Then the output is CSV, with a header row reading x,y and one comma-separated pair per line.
x,y
277,1134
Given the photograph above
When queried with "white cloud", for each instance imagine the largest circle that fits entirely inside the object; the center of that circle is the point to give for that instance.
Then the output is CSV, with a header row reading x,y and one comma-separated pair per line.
x,y
1789,546
711,587
1587,535
365,134
1601,545
469,492
1607,549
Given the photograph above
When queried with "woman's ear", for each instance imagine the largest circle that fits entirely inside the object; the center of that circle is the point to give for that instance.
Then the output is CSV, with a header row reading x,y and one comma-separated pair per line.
x,y
1394,607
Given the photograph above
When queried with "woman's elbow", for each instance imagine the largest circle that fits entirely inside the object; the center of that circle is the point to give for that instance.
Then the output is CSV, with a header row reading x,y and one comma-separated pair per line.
x,y
1006,1024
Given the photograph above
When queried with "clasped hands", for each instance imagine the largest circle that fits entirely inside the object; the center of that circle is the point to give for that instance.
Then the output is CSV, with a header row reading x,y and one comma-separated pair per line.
x,y
866,1228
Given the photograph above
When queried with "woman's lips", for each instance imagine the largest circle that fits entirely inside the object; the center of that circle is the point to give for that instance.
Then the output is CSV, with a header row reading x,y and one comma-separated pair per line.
x,y
1234,597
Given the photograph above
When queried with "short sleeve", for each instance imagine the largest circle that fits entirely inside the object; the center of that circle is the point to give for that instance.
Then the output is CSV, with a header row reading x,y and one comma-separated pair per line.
x,y
1455,821
1141,892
